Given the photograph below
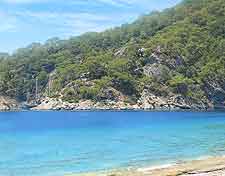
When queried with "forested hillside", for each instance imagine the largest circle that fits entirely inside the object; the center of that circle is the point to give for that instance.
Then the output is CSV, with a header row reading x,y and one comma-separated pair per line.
x,y
177,56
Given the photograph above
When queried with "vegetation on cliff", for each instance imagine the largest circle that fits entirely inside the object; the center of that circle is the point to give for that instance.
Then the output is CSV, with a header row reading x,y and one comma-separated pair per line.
x,y
180,51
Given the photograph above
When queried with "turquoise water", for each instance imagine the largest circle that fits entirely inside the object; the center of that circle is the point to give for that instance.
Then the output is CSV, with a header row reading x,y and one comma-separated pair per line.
x,y
56,143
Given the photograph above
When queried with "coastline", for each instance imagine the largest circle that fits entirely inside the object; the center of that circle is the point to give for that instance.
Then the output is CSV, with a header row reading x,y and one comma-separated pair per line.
x,y
114,110
204,166
57,104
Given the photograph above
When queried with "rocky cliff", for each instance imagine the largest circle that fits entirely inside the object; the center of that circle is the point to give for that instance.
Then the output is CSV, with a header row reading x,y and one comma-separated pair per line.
x,y
8,104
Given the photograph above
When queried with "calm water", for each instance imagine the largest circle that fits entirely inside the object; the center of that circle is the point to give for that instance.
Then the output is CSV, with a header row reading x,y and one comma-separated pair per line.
x,y
55,143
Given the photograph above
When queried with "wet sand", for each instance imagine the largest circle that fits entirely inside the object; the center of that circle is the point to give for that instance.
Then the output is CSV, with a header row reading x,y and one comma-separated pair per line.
x,y
214,166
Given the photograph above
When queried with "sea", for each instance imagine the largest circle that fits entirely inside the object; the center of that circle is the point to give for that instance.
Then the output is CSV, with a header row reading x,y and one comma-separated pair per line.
x,y
58,143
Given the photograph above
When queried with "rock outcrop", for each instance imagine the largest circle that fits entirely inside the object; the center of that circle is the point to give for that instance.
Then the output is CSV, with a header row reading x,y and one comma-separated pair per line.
x,y
215,91
8,104
58,104
150,101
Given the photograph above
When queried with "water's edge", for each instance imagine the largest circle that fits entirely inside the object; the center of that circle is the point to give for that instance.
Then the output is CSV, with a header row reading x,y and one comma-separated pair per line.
x,y
201,165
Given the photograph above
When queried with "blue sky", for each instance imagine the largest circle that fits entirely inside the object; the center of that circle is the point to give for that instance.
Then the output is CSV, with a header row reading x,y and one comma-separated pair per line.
x,y
25,21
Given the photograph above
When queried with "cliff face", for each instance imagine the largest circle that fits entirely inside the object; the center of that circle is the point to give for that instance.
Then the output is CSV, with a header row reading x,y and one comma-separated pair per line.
x,y
8,104
147,101
215,90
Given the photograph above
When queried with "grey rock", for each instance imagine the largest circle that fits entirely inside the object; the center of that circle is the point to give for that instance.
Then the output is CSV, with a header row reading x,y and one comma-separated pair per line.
x,y
120,52
215,91
8,104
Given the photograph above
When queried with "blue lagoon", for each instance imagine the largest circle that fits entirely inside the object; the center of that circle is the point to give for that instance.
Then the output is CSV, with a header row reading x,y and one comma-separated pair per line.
x,y
59,143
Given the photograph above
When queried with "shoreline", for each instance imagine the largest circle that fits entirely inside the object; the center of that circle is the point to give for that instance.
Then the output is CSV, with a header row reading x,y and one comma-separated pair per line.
x,y
55,104
114,110
203,166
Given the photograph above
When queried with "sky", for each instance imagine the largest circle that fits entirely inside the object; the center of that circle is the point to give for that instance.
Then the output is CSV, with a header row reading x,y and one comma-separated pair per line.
x,y
25,21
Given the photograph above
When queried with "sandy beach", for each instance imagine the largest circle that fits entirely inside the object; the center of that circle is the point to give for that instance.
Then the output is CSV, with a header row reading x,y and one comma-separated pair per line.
x,y
213,166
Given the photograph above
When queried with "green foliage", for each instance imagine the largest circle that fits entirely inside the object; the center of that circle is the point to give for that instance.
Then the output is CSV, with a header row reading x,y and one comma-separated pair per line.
x,y
83,67
180,84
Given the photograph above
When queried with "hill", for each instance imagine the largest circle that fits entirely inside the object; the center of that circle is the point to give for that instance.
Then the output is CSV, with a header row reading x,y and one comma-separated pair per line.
x,y
170,59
